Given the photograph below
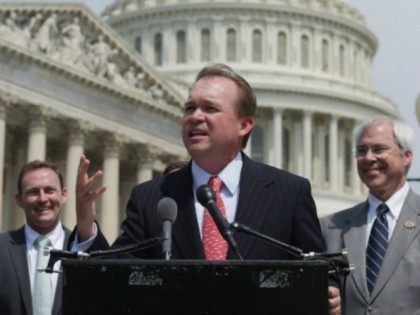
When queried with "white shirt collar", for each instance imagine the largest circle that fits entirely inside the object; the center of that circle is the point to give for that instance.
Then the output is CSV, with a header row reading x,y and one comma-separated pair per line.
x,y
56,236
230,175
394,203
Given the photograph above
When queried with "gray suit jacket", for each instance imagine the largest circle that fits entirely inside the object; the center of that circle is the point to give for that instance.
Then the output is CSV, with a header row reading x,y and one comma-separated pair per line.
x,y
397,288
15,287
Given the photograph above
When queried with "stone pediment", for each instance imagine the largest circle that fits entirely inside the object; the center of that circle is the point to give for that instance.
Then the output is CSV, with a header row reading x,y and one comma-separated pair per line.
x,y
70,38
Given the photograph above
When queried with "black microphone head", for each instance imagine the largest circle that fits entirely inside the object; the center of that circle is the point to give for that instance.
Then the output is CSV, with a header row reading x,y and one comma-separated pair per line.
x,y
205,194
167,209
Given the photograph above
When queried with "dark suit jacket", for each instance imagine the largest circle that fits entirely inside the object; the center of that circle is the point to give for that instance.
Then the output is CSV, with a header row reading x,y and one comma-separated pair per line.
x,y
397,288
15,287
271,201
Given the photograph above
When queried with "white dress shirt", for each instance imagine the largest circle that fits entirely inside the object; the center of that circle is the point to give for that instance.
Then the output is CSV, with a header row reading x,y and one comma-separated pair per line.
x,y
57,237
230,176
395,204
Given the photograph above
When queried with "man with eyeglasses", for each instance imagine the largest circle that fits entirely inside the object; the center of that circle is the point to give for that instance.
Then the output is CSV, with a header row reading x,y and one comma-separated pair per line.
x,y
381,234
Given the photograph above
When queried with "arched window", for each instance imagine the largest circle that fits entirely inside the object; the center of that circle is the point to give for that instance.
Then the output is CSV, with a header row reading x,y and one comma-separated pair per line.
x,y
281,48
355,65
205,45
158,49
342,60
137,44
304,51
257,147
231,45
181,47
325,56
256,46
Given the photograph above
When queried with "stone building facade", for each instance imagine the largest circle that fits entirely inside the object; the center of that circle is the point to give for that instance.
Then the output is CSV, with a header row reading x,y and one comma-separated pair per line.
x,y
308,61
70,85
113,88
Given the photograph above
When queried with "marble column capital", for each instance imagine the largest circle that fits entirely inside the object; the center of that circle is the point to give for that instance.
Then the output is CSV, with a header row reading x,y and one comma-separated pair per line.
x,y
279,110
76,132
112,148
37,119
308,113
147,154
7,99
2,110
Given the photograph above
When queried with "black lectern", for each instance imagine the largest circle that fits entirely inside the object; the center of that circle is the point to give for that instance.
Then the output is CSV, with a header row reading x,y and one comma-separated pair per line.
x,y
194,287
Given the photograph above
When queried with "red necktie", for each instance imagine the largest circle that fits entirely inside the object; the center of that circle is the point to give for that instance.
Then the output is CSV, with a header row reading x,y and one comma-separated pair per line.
x,y
215,247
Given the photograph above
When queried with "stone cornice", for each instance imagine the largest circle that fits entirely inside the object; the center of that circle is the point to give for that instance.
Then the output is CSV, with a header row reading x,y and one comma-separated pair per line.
x,y
170,101
90,80
332,7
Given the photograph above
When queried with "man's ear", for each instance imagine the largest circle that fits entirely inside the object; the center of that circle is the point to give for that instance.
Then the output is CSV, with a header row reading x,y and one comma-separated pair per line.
x,y
64,193
247,123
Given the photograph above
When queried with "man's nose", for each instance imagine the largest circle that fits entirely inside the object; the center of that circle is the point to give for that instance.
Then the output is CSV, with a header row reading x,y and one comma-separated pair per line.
x,y
42,195
197,114
370,155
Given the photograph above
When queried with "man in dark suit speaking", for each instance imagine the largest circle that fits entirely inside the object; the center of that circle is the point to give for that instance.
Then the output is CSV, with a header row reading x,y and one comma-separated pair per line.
x,y
219,116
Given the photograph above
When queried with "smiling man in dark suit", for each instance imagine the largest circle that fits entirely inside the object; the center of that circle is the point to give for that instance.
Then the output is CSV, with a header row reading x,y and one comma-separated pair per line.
x,y
218,118
381,234
40,194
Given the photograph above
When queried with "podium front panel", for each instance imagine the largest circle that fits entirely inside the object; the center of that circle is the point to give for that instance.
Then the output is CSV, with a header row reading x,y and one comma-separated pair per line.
x,y
194,287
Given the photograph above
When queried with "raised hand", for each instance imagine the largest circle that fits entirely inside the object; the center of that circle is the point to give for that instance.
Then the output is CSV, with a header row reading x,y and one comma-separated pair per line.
x,y
86,195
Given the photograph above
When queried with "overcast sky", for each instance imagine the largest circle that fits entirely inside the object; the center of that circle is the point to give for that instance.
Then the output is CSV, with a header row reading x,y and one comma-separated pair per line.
x,y
396,66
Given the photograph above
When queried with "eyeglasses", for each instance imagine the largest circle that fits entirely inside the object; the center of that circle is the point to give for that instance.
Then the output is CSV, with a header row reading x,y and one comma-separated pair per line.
x,y
377,150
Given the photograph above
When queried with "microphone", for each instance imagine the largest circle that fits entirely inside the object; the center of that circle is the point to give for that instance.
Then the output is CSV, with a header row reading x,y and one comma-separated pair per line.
x,y
167,211
206,197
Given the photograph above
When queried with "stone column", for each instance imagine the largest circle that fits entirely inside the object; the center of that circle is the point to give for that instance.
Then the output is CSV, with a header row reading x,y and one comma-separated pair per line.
x,y
278,136
18,214
307,144
319,156
75,149
37,142
145,158
297,144
2,146
340,160
357,184
109,214
333,158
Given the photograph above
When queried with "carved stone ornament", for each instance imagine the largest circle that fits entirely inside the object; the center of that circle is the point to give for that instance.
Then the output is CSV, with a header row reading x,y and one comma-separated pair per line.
x,y
68,36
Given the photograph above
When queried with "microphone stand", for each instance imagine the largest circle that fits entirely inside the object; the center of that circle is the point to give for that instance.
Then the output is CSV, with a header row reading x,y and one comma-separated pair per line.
x,y
337,260
56,255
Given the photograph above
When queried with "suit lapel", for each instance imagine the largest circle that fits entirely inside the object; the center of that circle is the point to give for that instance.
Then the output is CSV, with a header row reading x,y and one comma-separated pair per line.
x,y
253,203
400,241
17,251
185,233
354,236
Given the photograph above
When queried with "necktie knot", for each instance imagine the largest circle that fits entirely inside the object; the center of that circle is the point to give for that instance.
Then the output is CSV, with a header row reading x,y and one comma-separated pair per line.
x,y
216,183
382,210
41,242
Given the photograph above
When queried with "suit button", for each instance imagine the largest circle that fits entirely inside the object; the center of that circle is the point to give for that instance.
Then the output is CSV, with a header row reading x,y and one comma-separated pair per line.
x,y
370,309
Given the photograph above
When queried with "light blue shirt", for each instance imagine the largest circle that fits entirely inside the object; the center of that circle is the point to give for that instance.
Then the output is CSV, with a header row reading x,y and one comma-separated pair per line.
x,y
231,176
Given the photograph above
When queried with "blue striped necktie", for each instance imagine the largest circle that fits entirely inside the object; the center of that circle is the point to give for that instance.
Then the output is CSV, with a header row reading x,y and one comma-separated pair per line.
x,y
377,244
